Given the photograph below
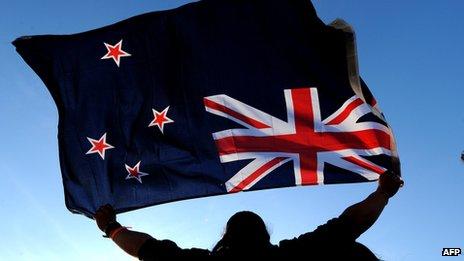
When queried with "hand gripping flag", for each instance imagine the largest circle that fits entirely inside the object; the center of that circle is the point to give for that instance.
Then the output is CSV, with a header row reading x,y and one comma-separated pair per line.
x,y
210,98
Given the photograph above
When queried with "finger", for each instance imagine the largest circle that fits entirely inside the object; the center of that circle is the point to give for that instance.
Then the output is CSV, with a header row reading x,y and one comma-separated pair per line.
x,y
108,208
396,165
401,183
398,180
99,212
388,175
106,212
101,208
391,174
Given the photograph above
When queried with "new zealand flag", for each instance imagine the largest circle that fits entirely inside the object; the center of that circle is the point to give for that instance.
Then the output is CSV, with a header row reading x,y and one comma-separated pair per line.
x,y
214,97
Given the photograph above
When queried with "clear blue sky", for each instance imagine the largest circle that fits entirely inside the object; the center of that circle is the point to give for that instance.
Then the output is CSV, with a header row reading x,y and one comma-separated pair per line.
x,y
411,55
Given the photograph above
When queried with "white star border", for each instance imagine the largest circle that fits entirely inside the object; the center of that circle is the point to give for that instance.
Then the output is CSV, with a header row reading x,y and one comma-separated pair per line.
x,y
107,146
117,60
154,123
137,168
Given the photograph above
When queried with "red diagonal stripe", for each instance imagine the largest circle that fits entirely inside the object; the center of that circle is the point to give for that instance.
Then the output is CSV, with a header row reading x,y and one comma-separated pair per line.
x,y
253,176
364,164
237,115
344,114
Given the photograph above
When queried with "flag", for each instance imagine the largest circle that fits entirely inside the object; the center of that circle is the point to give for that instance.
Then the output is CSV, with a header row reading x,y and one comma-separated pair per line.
x,y
210,98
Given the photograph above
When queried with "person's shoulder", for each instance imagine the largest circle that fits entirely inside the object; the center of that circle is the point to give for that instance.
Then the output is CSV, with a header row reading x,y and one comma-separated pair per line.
x,y
196,252
331,232
154,249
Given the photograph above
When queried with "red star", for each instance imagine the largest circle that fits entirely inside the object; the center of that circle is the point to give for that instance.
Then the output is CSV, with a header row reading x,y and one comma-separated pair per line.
x,y
160,118
134,172
99,146
115,52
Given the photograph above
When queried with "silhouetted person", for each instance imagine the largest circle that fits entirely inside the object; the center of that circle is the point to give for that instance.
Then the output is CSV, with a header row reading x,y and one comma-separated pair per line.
x,y
246,234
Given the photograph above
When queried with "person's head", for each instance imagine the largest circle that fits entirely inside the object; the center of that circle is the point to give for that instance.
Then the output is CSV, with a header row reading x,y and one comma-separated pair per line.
x,y
359,251
245,231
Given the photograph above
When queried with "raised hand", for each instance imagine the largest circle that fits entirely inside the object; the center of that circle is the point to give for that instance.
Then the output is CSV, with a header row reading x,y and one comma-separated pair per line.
x,y
105,216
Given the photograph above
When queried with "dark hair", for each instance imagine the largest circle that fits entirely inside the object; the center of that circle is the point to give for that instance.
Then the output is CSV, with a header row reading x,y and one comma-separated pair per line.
x,y
361,252
245,231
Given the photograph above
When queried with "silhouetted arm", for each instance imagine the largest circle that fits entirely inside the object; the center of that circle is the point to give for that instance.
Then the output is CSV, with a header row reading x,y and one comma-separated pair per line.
x,y
139,244
362,216
129,241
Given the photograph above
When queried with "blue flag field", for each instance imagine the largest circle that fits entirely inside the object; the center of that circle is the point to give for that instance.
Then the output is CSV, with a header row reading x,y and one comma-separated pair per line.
x,y
214,97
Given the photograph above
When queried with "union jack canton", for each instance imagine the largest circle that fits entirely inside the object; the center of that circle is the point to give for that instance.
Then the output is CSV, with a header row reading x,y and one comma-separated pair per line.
x,y
304,139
